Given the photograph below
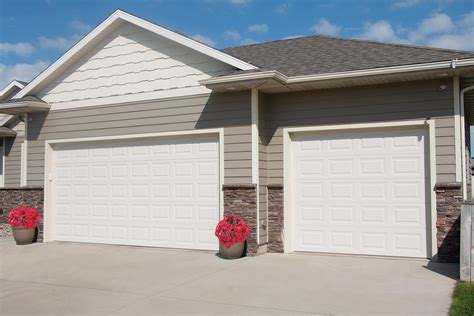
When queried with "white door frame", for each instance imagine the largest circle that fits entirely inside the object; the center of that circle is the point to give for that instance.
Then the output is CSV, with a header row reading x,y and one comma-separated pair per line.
x,y
2,152
49,163
429,124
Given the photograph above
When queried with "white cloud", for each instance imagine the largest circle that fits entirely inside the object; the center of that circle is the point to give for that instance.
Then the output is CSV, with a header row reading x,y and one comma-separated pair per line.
x,y
22,48
453,41
437,30
468,20
233,35
282,9
437,23
240,2
406,3
258,28
380,31
293,36
80,26
59,43
204,39
24,72
248,41
325,27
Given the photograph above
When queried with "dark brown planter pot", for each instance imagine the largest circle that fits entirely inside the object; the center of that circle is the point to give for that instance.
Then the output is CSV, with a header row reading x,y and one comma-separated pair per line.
x,y
235,251
23,236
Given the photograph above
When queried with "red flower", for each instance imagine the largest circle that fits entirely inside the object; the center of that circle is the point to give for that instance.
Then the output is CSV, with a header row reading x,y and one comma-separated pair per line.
x,y
24,216
232,229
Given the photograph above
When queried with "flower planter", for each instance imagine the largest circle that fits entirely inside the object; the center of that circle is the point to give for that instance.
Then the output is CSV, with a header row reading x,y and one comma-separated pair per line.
x,y
235,251
23,221
23,236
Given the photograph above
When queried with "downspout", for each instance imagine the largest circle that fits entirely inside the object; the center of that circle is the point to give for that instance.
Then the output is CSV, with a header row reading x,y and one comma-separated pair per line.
x,y
463,139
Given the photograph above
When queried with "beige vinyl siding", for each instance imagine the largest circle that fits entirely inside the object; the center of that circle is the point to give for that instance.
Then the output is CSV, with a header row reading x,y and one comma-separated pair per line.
x,y
133,62
403,101
262,157
231,111
13,155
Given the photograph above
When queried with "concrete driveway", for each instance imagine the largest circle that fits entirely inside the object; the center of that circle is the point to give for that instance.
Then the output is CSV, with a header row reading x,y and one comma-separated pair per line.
x,y
68,278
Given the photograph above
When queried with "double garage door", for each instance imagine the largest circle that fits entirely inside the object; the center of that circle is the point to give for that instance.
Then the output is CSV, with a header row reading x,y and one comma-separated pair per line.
x,y
361,192
161,192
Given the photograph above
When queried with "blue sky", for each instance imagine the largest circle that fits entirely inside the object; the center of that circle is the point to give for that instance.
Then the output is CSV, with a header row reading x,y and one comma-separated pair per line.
x,y
35,33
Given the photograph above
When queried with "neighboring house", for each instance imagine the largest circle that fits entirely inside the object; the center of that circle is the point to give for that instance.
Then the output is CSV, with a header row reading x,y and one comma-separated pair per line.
x,y
142,136
11,138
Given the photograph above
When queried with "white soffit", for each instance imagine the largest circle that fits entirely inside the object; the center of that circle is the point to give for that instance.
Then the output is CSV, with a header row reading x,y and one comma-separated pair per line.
x,y
109,24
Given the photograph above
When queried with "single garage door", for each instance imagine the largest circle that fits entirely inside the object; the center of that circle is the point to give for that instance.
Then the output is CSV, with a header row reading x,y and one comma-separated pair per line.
x,y
162,193
361,192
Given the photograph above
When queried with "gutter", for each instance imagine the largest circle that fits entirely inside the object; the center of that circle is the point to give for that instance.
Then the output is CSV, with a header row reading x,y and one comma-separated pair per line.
x,y
278,76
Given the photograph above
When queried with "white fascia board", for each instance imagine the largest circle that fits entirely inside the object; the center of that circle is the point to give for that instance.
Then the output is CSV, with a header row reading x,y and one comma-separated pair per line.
x,y
271,74
338,75
121,15
10,86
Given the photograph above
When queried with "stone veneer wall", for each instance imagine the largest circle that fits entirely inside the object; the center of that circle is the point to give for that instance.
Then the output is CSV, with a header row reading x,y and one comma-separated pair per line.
x,y
275,217
27,196
241,200
448,206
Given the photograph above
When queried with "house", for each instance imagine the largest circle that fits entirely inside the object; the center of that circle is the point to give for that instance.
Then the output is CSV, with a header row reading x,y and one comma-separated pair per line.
x,y
141,136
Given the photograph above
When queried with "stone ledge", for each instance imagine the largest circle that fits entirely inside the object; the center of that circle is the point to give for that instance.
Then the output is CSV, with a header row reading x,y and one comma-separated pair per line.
x,y
239,186
448,185
22,188
275,186
468,202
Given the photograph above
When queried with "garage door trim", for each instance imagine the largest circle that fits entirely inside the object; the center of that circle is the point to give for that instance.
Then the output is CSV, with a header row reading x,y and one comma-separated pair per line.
x,y
429,124
49,151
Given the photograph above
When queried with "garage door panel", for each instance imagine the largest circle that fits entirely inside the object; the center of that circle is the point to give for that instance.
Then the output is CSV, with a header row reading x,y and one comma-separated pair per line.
x,y
361,192
153,193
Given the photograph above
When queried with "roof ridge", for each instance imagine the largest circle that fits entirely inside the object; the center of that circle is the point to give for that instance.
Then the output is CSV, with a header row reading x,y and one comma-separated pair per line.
x,y
396,44
358,40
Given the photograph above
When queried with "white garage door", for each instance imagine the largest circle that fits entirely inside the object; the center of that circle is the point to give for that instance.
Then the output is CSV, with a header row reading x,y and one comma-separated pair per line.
x,y
161,193
361,192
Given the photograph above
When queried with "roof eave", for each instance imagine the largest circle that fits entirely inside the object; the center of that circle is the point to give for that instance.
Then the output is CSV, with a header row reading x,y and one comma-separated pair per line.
x,y
23,107
224,81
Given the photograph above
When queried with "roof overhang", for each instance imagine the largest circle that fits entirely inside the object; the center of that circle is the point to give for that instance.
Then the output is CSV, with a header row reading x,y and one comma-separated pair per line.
x,y
6,132
11,88
21,107
273,81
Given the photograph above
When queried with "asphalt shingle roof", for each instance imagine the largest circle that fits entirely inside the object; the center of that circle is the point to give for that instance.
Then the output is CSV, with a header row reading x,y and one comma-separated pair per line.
x,y
324,54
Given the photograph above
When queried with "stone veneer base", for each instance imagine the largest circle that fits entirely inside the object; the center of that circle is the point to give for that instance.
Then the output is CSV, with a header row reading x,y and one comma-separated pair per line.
x,y
448,207
27,196
275,217
241,200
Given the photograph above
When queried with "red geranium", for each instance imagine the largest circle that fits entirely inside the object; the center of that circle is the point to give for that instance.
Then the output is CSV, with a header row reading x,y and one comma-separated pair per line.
x,y
232,229
24,216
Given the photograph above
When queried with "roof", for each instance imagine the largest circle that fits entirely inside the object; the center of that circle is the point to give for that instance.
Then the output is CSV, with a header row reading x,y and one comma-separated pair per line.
x,y
324,54
107,26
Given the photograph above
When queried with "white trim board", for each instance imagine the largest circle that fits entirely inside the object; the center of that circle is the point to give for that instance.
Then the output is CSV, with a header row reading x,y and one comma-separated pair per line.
x,y
49,163
118,16
255,156
278,76
10,86
2,152
287,166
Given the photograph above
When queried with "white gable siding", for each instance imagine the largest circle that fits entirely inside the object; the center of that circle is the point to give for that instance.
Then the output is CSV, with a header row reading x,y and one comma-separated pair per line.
x,y
132,64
